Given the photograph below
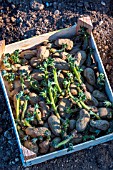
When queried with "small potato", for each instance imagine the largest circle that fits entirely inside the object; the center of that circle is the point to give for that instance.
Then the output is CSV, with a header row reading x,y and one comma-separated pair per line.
x,y
35,61
63,55
90,76
74,50
33,98
16,84
42,53
80,58
28,54
72,124
105,112
63,105
61,79
31,146
55,141
54,124
61,42
27,68
44,110
89,87
100,124
37,74
44,146
90,100
82,122
77,139
73,89
24,62
61,64
37,132
99,95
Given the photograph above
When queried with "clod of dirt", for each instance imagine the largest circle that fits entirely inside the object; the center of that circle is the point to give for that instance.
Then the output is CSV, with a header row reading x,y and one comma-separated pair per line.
x,y
82,122
54,124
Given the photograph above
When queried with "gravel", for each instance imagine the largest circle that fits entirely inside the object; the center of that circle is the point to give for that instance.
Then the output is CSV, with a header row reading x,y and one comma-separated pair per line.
x,y
21,19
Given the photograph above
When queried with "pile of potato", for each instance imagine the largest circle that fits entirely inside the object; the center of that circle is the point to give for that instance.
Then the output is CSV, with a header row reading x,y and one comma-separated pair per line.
x,y
41,128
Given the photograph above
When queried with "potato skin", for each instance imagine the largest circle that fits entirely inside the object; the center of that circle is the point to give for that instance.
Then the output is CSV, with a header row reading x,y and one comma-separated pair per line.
x,y
100,96
44,146
31,146
100,124
80,58
64,103
37,132
42,52
61,64
61,42
90,76
54,124
104,112
44,110
33,98
82,122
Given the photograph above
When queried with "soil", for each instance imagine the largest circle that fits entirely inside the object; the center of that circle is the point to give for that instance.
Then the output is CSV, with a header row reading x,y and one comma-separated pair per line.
x,y
20,19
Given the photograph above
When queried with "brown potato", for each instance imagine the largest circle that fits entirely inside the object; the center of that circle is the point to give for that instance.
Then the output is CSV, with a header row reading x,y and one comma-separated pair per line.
x,y
105,112
73,89
54,124
37,132
100,124
89,87
80,58
61,79
90,100
24,61
33,98
31,146
56,140
99,95
61,42
90,76
16,84
77,139
26,68
35,61
42,53
28,54
72,124
63,105
74,50
37,74
44,110
44,146
82,122
61,64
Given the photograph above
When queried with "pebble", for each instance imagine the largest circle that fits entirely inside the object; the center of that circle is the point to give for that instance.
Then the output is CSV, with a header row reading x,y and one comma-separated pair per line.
x,y
57,12
13,19
80,4
36,5
103,3
16,159
7,134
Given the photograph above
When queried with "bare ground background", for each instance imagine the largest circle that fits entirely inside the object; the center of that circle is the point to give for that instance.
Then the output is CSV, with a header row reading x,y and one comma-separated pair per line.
x,y
21,19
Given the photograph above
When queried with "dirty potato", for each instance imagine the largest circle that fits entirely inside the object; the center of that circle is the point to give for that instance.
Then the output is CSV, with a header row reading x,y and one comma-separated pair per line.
x,y
37,74
63,105
82,122
105,112
31,146
90,100
33,98
28,54
54,124
67,42
35,61
72,124
90,76
42,52
26,68
73,89
44,146
80,58
99,95
89,87
100,124
61,64
44,110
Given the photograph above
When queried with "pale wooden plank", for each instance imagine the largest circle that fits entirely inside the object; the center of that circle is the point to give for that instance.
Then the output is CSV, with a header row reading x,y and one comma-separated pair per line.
x,y
28,154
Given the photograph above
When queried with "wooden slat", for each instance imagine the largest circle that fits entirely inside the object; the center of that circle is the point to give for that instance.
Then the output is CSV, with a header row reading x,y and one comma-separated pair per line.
x,y
28,154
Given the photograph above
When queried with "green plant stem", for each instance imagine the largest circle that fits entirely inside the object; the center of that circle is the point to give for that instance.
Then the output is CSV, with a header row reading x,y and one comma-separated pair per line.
x,y
56,81
26,123
85,106
53,103
24,109
63,142
77,74
17,108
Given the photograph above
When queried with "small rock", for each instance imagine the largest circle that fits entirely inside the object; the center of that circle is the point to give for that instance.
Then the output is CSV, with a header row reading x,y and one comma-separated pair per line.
x,y
57,13
7,134
36,5
103,3
80,4
13,19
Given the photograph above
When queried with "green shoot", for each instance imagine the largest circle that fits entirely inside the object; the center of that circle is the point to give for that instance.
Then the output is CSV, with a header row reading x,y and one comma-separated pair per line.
x,y
15,57
18,96
26,97
87,137
108,103
101,80
10,77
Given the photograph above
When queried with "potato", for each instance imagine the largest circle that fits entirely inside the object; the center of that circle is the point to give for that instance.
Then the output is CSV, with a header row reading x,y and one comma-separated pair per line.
x,y
63,105
21,133
72,124
82,122
44,110
31,146
8,88
105,112
99,95
42,53
89,87
17,65
74,50
37,74
28,54
35,61
44,146
61,79
63,55
24,61
90,100
61,42
73,89
37,132
27,84
33,98
90,76
56,141
100,124
77,139
80,58
16,84
54,124
27,68
61,64
15,91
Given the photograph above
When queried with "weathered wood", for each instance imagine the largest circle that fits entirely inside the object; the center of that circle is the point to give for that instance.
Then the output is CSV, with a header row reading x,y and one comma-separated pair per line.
x,y
28,154
2,47
84,22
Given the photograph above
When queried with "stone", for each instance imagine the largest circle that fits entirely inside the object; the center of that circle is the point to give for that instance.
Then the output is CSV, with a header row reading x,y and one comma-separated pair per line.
x,y
36,5
57,13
